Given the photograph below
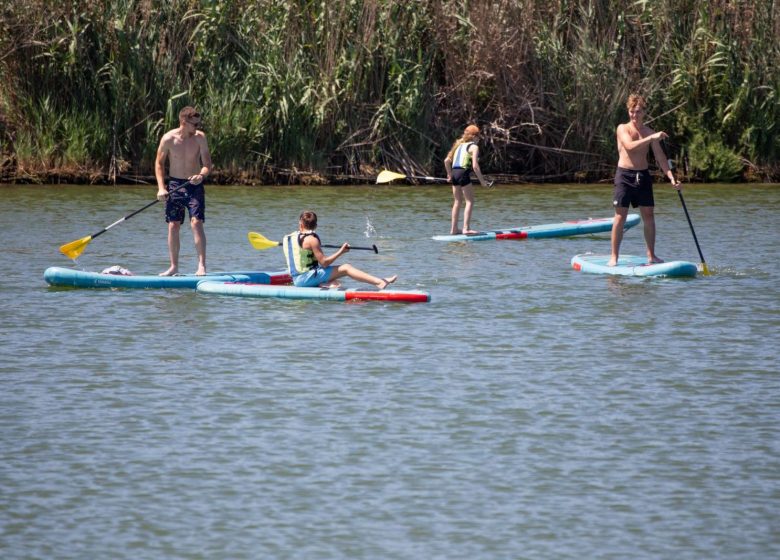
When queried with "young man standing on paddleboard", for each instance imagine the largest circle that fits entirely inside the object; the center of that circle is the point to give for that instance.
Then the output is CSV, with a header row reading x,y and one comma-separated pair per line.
x,y
189,162
633,183
308,265
460,160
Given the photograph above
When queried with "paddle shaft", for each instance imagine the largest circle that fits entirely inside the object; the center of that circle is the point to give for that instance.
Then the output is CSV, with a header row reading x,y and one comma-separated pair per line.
x,y
438,179
372,248
670,163
690,223
120,220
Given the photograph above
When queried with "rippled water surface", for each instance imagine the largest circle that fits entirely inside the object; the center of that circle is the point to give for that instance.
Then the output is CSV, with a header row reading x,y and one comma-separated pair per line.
x,y
528,411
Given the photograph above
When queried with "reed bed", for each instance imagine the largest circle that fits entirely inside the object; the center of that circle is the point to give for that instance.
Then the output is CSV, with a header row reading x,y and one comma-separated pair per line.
x,y
305,91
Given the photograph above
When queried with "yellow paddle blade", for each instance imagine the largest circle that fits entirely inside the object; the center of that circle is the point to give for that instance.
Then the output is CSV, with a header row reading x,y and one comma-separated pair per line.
x,y
73,249
260,242
704,269
386,176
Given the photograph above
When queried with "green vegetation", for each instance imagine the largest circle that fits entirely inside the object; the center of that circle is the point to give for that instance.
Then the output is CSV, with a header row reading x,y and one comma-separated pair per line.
x,y
305,90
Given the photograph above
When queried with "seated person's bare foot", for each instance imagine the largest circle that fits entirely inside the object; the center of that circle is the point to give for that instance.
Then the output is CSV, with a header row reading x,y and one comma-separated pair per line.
x,y
172,271
387,281
332,285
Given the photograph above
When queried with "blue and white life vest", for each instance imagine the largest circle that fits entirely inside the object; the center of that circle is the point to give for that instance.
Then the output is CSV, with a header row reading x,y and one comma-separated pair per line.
x,y
299,260
462,157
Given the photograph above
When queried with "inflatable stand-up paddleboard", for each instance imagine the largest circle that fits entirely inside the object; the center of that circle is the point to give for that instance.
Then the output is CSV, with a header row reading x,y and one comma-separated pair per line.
x,y
58,276
632,265
562,229
251,290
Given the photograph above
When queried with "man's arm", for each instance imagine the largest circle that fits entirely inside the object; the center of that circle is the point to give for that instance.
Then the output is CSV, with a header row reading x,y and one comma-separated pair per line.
x,y
159,169
624,137
660,157
205,160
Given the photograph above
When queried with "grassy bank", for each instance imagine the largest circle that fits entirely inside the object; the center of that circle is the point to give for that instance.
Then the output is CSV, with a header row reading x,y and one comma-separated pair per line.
x,y
307,91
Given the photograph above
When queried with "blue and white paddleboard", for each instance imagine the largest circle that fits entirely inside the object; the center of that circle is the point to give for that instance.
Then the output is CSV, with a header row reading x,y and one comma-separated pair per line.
x,y
244,289
631,265
562,229
59,276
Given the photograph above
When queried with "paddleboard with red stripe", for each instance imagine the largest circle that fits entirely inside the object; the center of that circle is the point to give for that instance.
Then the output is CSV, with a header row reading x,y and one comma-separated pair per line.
x,y
246,289
561,229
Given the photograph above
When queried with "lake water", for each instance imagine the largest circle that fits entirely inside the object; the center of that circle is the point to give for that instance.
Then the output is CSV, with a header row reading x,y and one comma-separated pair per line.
x,y
528,411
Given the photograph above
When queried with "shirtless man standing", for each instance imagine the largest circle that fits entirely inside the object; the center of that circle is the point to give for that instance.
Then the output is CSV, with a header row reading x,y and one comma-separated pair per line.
x,y
187,152
633,183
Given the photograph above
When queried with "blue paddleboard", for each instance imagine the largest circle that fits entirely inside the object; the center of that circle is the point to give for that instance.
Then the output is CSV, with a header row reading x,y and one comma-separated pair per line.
x,y
59,276
561,229
244,289
631,265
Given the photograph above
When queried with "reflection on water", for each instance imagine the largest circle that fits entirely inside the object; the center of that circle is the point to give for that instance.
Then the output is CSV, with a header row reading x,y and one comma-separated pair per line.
x,y
529,410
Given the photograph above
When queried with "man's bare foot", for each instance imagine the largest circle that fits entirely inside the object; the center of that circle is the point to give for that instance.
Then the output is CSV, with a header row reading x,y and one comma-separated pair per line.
x,y
455,232
654,260
387,281
201,271
612,261
469,231
174,270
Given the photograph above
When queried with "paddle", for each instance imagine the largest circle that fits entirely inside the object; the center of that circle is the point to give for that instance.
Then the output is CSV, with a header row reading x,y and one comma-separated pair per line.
x,y
262,243
73,249
386,176
705,270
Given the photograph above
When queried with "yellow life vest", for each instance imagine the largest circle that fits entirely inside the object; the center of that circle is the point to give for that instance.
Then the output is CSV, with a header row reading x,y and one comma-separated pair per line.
x,y
299,260
462,157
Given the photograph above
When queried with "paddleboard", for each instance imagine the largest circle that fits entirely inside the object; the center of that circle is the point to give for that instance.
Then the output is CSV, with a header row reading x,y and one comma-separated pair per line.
x,y
59,276
562,229
245,289
631,265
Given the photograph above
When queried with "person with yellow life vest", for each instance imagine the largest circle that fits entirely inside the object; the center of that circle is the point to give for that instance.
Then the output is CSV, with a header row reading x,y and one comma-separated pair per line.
x,y
462,158
308,265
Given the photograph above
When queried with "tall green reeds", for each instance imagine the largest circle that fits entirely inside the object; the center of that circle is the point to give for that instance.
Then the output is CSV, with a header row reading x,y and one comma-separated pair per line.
x,y
312,90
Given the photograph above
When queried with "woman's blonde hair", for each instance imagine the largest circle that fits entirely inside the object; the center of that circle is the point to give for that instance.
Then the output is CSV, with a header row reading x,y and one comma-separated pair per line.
x,y
469,133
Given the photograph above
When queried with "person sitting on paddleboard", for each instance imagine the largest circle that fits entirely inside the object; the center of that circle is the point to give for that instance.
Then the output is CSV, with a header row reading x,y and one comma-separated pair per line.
x,y
460,160
308,265
633,183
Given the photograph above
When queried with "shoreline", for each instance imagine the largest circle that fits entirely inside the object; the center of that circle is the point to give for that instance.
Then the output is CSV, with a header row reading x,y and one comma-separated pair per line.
x,y
300,178
10,173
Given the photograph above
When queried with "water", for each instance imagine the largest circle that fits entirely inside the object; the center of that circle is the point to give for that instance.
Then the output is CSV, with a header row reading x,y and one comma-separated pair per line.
x,y
528,411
